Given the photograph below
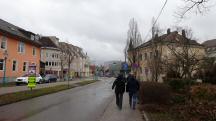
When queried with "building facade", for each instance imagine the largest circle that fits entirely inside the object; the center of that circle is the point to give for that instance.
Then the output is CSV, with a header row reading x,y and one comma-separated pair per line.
x,y
50,55
161,51
19,48
210,47
81,64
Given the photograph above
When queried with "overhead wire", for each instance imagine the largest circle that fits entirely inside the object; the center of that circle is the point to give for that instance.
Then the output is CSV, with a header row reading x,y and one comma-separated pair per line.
x,y
164,5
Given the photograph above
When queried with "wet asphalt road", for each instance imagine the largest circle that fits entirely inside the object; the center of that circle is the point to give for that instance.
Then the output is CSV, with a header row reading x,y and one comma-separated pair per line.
x,y
86,103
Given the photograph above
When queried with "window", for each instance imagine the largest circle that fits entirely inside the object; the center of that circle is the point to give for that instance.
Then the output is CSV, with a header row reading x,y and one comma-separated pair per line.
x,y
21,47
140,70
24,66
34,51
4,43
140,57
151,55
146,71
47,63
50,64
146,56
32,37
14,67
55,63
36,37
53,55
1,64
157,53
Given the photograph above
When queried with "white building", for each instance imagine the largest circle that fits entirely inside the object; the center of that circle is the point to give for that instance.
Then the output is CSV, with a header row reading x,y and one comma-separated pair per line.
x,y
50,55
81,64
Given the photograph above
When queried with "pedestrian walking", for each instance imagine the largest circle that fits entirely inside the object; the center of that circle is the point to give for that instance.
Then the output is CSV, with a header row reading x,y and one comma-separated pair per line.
x,y
119,85
132,88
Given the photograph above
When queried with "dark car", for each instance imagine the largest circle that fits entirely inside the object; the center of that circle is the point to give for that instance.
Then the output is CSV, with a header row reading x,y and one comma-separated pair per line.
x,y
50,78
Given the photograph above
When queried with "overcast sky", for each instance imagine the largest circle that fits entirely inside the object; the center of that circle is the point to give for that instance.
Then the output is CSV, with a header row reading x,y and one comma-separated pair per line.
x,y
100,26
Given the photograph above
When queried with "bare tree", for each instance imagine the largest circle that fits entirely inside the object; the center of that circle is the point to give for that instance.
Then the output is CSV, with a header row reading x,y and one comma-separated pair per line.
x,y
69,52
63,58
133,41
188,31
184,58
154,61
197,6
207,70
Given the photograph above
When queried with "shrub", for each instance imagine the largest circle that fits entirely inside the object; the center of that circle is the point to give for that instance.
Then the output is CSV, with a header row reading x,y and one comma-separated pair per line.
x,y
180,84
207,70
178,99
154,93
195,112
204,92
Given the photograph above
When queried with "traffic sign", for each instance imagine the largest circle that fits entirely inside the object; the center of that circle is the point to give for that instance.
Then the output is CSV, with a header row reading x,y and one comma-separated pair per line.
x,y
31,82
125,66
32,76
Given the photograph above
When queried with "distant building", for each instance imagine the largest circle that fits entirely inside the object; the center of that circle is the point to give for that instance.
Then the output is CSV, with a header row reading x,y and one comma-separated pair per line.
x,y
210,47
114,67
21,48
80,65
50,55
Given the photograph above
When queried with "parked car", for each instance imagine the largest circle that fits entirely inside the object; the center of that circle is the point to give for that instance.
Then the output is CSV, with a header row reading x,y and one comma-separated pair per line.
x,y
50,78
24,79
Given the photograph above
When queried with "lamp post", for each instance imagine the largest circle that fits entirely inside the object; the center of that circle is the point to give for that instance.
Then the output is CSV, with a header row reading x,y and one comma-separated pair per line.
x,y
5,61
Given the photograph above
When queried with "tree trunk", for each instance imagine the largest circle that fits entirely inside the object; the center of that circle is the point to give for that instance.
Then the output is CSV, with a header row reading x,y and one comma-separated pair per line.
x,y
69,62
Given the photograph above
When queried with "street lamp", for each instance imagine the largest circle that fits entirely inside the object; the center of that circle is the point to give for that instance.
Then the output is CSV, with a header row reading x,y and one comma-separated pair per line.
x,y
5,61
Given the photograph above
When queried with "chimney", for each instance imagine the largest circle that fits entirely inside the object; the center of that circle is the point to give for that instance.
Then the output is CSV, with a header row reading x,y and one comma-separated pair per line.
x,y
183,33
168,31
55,40
156,36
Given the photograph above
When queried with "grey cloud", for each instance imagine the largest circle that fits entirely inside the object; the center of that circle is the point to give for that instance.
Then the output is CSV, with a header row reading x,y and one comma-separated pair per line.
x,y
98,26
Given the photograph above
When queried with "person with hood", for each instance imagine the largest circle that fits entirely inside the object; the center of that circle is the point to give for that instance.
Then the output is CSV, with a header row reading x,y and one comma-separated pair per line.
x,y
132,88
119,85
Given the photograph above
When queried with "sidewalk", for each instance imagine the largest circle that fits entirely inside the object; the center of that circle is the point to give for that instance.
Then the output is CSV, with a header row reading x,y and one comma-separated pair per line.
x,y
112,113
5,90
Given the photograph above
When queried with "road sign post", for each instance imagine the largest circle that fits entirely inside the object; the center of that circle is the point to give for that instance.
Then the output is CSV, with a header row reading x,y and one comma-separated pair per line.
x,y
32,76
125,68
31,82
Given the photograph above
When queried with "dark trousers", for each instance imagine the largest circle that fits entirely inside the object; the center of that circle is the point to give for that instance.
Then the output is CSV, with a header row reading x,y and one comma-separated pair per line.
x,y
132,99
119,98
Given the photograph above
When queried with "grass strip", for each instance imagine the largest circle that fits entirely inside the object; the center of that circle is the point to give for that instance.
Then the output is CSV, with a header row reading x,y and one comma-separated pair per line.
x,y
160,116
9,84
28,94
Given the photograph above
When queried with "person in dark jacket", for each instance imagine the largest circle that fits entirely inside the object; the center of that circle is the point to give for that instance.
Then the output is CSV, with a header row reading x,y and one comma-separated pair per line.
x,y
119,85
132,88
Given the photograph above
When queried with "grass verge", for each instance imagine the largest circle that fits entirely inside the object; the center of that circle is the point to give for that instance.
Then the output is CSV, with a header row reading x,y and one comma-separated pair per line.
x,y
157,112
28,94
9,84
160,116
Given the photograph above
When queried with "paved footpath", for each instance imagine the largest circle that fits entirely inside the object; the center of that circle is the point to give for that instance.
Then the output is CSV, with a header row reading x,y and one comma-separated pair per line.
x,y
5,90
112,113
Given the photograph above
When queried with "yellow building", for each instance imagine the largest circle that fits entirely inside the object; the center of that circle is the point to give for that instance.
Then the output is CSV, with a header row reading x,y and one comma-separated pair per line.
x,y
155,57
